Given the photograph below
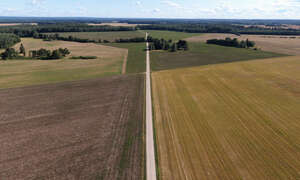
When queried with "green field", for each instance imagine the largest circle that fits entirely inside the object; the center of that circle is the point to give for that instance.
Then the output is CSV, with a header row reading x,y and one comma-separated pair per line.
x,y
136,61
229,121
110,36
175,36
204,54
17,73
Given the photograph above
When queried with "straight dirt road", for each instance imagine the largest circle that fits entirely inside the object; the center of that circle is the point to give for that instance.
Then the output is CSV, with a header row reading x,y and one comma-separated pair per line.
x,y
150,153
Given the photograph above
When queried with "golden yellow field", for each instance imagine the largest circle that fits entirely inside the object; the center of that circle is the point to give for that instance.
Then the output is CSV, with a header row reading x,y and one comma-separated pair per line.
x,y
279,44
17,73
229,121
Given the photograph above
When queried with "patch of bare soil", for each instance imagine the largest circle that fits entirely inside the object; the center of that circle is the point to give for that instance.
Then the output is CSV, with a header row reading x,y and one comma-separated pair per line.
x,y
80,130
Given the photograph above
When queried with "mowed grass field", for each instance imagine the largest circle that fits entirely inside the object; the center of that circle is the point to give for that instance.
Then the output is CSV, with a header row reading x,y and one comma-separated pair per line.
x,y
136,61
204,54
17,73
278,44
110,36
229,121
175,36
91,129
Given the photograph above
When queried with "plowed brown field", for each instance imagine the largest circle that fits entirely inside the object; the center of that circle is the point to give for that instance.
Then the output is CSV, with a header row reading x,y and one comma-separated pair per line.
x,y
78,130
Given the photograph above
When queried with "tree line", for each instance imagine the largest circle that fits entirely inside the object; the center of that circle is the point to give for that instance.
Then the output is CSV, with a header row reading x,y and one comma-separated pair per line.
x,y
43,54
167,45
56,36
219,28
30,31
8,40
232,42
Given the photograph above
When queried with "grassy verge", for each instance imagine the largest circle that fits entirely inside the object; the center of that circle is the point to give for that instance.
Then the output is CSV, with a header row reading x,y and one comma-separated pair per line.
x,y
204,54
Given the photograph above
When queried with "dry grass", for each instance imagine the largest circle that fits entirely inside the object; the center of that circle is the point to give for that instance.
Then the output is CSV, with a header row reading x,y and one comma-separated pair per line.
x,y
16,73
115,24
229,121
283,26
77,49
279,44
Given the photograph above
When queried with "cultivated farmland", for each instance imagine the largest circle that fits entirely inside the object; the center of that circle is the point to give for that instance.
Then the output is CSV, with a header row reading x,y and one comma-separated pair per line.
x,y
90,129
229,121
278,44
110,36
136,56
17,73
175,36
204,54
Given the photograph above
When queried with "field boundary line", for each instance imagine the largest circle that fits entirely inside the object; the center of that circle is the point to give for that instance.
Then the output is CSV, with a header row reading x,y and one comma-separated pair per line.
x,y
125,62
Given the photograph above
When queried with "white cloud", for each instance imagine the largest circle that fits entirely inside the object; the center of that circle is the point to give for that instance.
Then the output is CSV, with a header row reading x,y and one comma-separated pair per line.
x,y
138,3
37,2
156,10
171,4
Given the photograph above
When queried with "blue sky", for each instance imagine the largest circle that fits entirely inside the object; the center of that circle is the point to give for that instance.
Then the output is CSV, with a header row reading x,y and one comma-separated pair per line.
x,y
249,9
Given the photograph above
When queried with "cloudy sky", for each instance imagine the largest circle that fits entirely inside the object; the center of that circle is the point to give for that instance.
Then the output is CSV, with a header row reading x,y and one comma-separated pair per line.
x,y
249,9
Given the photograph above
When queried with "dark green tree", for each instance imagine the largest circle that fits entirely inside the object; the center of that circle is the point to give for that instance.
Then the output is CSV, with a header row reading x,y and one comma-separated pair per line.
x,y
174,47
56,54
9,53
22,50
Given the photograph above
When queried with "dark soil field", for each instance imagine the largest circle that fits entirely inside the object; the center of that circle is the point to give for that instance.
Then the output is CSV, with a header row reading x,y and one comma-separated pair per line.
x,y
78,130
204,54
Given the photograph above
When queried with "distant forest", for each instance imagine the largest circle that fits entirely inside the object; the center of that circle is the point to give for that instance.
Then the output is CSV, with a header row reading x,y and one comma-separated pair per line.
x,y
54,20
56,25
219,28
31,31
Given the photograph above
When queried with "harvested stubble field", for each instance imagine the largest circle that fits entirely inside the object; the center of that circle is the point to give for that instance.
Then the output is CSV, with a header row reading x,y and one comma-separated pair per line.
x,y
80,130
115,24
17,73
229,121
279,44
110,36
17,24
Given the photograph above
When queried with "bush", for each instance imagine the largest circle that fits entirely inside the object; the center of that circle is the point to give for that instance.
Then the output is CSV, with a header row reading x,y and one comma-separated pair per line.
x,y
9,53
232,42
48,55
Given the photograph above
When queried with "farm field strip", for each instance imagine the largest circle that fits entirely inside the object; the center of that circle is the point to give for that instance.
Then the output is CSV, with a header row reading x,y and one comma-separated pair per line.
x,y
279,44
136,56
204,54
18,73
68,130
229,121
